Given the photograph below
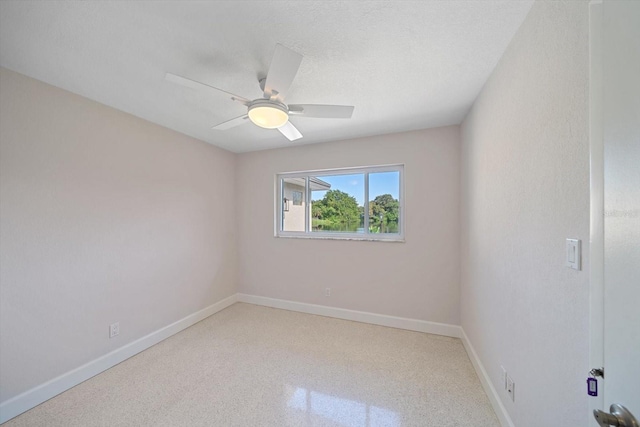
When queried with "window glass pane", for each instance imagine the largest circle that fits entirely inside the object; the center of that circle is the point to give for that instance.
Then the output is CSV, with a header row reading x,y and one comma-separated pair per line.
x,y
337,203
293,204
384,206
297,198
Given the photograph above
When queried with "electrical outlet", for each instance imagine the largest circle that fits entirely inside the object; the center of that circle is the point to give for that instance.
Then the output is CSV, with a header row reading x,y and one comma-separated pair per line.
x,y
511,388
504,377
114,329
327,292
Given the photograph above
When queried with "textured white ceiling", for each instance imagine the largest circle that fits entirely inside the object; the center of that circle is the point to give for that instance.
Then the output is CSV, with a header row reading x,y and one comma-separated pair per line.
x,y
404,64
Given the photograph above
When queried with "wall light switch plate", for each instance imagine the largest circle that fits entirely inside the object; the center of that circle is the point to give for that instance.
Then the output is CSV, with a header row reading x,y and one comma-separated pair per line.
x,y
574,254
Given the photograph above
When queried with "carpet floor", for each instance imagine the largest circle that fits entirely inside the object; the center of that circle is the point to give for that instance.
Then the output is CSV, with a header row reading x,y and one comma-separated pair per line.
x,y
255,366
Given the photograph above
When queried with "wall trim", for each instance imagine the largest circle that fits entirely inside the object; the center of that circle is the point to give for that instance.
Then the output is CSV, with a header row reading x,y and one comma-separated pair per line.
x,y
356,316
489,389
43,392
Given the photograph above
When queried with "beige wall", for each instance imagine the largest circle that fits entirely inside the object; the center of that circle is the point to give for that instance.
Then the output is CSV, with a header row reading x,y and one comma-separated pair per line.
x,y
104,218
525,189
417,279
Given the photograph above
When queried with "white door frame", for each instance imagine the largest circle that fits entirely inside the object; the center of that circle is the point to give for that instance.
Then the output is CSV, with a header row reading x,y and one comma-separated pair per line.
x,y
596,232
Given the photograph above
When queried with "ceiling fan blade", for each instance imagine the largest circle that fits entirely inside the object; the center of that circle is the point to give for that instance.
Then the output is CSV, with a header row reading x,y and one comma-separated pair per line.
x,y
183,81
283,69
237,121
290,131
322,111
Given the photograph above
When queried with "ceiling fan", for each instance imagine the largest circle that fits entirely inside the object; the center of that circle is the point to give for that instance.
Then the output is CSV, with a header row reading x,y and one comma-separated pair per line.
x,y
271,112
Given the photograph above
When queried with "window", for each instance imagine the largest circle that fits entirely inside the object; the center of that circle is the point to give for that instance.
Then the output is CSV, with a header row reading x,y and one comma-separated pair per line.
x,y
297,198
356,203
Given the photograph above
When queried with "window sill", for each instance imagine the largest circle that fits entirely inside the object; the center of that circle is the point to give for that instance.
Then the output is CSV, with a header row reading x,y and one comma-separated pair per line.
x,y
329,237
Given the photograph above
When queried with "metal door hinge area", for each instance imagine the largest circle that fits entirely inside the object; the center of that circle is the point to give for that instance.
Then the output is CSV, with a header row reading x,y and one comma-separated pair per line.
x,y
619,416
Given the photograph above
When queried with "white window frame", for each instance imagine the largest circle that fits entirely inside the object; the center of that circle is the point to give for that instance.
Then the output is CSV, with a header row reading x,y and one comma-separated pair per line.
x,y
365,170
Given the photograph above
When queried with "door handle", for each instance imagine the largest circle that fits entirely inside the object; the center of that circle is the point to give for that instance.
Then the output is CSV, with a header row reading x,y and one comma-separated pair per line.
x,y
619,417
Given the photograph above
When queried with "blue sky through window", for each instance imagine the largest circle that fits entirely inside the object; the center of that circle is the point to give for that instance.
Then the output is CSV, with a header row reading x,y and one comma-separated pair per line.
x,y
353,184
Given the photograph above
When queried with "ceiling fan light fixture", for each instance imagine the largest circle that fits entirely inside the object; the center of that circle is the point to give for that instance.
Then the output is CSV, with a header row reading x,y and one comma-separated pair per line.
x,y
268,114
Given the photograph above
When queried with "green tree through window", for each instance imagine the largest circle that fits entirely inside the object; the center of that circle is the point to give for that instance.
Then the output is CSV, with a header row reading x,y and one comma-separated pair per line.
x,y
336,207
383,213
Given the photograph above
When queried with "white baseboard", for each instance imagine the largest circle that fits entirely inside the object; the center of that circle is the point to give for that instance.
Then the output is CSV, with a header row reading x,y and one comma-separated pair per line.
x,y
31,398
489,389
357,316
